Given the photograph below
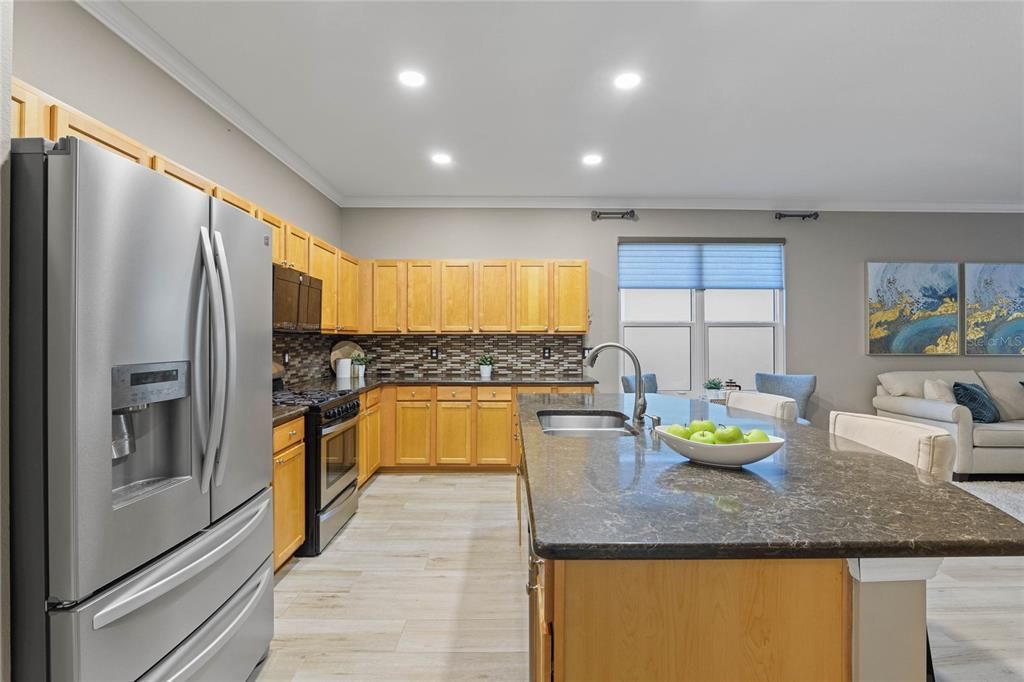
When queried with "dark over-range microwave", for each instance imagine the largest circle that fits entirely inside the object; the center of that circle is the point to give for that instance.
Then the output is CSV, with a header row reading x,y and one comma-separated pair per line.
x,y
296,301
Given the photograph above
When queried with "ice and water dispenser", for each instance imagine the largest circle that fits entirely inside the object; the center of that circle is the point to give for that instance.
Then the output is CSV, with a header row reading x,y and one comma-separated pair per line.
x,y
150,439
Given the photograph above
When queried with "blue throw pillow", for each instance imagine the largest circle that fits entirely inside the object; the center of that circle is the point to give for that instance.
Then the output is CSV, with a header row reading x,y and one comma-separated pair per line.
x,y
978,401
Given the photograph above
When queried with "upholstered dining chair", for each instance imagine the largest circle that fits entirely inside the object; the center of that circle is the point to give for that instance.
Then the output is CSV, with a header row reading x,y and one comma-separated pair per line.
x,y
926,447
799,387
650,383
775,406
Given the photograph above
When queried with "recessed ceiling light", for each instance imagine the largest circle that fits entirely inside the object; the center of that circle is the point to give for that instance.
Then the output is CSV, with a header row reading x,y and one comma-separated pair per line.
x,y
591,159
627,80
412,79
441,158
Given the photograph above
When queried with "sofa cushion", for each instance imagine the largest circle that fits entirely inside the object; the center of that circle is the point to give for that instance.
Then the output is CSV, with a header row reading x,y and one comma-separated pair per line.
x,y
911,383
978,401
1001,435
1006,391
938,389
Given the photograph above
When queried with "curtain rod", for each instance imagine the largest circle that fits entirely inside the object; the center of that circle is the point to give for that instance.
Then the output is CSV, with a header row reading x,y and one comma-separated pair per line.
x,y
706,240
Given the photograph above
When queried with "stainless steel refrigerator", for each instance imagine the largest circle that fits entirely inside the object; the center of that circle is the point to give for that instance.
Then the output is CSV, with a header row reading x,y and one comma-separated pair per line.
x,y
142,524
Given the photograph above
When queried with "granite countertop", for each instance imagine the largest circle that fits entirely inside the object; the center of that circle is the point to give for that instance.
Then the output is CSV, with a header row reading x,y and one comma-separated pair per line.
x,y
819,496
286,413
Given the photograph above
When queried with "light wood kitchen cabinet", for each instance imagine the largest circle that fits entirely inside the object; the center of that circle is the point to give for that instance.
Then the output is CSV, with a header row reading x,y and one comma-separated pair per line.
x,y
27,111
457,282
422,296
494,432
388,280
289,502
164,165
67,121
369,443
277,236
236,200
454,432
323,264
569,296
348,292
296,248
288,434
414,431
532,295
494,295
573,389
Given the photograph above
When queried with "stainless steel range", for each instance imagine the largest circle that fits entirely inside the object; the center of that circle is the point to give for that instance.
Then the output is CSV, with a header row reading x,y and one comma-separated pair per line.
x,y
331,462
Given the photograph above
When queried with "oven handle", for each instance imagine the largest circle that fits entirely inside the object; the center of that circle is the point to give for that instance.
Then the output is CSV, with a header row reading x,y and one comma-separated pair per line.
x,y
339,427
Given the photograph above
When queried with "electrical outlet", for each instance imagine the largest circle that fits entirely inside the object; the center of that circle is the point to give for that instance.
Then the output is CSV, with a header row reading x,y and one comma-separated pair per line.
x,y
547,353
286,359
586,352
433,354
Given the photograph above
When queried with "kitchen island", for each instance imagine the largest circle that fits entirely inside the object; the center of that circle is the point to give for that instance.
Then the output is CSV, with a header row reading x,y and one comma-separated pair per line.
x,y
807,565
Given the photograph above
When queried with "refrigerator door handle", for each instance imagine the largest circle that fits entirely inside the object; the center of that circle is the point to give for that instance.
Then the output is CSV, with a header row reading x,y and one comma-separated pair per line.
x,y
162,582
232,344
199,408
219,361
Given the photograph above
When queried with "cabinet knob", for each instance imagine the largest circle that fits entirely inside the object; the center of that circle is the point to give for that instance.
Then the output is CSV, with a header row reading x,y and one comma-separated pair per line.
x,y
292,432
453,394
494,394
413,393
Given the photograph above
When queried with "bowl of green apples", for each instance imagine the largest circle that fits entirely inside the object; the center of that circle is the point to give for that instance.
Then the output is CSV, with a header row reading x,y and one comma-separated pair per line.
x,y
720,445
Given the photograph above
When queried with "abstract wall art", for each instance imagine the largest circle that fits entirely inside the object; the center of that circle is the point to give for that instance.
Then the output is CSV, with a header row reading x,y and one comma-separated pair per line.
x,y
913,308
994,308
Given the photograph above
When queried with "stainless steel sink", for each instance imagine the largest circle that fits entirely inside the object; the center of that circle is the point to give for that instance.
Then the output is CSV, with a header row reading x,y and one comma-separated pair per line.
x,y
585,424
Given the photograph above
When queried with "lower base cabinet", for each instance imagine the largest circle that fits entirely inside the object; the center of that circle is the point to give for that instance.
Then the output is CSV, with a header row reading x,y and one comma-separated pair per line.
x,y
455,433
289,502
495,435
414,432
369,444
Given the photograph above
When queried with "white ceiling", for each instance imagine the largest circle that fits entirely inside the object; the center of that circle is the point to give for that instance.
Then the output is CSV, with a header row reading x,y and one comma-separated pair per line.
x,y
841,105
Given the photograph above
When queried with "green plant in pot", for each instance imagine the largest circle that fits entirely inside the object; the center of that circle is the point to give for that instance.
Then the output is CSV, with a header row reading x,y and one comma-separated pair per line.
x,y
360,362
486,363
713,388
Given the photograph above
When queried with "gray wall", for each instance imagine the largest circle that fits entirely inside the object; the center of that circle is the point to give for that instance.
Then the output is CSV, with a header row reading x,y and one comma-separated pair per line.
x,y
62,50
824,270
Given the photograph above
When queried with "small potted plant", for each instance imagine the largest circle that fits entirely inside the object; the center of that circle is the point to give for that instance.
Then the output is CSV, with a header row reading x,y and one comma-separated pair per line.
x,y
361,361
486,363
713,388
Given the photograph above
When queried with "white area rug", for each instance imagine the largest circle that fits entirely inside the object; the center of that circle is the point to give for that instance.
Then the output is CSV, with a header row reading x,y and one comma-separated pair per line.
x,y
1006,495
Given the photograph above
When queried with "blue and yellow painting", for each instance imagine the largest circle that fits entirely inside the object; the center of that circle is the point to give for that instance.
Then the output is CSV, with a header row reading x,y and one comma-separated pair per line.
x,y
913,308
994,316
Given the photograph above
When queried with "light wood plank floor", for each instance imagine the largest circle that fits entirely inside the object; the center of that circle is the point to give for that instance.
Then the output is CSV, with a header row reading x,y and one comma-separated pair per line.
x,y
427,583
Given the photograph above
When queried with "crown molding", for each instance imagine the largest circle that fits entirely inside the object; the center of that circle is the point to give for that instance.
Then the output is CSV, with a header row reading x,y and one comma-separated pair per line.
x,y
130,28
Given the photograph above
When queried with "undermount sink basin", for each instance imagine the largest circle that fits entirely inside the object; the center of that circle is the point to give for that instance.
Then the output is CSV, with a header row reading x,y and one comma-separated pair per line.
x,y
585,424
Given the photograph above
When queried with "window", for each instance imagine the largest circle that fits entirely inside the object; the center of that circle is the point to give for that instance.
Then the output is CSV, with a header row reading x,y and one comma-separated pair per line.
x,y
694,311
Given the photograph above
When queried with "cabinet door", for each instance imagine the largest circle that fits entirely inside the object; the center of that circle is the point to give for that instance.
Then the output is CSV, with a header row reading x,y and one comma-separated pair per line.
x,y
181,174
533,295
289,502
569,300
26,112
414,432
348,292
388,298
296,248
457,296
323,264
422,296
236,200
573,389
454,433
494,433
277,236
373,446
494,296
67,121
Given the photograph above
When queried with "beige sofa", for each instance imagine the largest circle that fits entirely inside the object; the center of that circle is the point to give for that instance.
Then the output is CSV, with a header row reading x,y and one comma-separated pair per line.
x,y
981,448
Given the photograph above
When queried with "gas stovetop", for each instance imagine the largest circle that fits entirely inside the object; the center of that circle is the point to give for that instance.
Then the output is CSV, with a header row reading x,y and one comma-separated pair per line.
x,y
312,398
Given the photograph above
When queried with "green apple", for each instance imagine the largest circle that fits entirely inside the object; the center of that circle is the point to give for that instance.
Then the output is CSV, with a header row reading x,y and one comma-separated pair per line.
x,y
703,437
678,430
756,436
727,435
702,425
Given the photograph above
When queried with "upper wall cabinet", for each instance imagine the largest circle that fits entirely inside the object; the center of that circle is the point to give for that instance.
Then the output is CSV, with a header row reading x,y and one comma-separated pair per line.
x,y
239,202
388,285
423,294
533,295
457,282
277,236
181,174
348,292
67,121
28,117
296,248
494,295
323,264
569,296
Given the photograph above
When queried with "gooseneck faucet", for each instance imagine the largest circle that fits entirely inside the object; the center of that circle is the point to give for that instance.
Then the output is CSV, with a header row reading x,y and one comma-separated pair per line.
x,y
640,403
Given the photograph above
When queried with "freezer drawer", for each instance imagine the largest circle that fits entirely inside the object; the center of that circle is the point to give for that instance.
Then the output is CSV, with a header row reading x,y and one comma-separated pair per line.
x,y
231,643
118,634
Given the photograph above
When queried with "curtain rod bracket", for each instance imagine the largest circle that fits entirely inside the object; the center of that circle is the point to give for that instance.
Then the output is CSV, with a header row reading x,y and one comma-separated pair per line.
x,y
812,215
629,214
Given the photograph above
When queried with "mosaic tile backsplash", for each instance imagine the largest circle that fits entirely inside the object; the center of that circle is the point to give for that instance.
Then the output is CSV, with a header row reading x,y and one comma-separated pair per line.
x,y
309,354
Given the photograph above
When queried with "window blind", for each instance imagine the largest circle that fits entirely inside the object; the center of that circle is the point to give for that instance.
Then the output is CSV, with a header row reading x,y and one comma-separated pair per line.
x,y
650,265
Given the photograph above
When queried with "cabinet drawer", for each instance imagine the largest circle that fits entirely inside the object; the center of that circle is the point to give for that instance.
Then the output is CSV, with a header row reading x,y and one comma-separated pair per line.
x,y
289,433
503,393
574,389
534,389
462,393
371,398
412,393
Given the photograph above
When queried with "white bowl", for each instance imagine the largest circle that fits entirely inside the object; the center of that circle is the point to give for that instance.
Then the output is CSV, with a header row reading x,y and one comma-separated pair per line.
x,y
732,456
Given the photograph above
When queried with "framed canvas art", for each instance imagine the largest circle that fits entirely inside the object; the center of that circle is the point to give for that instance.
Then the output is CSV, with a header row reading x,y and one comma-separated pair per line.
x,y
994,309
913,308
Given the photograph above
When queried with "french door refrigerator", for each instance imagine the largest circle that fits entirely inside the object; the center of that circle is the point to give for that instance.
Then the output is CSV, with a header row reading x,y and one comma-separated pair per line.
x,y
141,427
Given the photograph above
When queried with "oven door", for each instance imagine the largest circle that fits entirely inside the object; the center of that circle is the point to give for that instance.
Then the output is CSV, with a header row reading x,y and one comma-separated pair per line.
x,y
338,452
